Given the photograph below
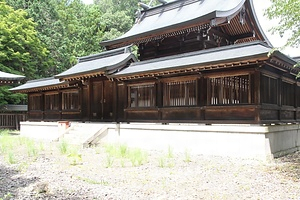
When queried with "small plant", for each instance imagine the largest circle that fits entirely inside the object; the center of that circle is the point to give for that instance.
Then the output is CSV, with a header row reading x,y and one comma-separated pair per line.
x,y
170,152
31,148
123,150
11,158
109,161
101,182
137,157
63,147
161,161
187,156
7,196
74,156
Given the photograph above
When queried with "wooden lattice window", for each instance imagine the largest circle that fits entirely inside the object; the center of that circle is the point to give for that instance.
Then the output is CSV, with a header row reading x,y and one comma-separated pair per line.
x,y
35,102
288,94
142,95
70,100
269,90
229,90
52,101
180,93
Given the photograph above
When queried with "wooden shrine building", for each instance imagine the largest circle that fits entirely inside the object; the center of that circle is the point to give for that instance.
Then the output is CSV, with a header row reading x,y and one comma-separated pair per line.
x,y
199,61
8,78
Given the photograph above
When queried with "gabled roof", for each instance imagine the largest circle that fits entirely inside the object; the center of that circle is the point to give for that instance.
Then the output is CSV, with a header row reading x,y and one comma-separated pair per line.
x,y
99,64
7,78
227,56
40,84
183,15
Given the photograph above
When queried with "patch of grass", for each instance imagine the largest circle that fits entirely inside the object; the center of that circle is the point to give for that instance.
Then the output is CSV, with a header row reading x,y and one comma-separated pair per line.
x,y
170,152
63,147
161,161
11,158
122,152
7,196
7,142
91,181
31,148
74,156
137,157
187,156
109,161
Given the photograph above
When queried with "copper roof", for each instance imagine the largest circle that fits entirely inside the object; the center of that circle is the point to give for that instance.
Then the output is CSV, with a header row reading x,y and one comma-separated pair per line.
x,y
8,78
180,15
227,56
99,64
40,84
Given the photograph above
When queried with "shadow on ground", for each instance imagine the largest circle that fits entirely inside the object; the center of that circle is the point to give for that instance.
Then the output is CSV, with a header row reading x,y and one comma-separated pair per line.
x,y
290,166
11,182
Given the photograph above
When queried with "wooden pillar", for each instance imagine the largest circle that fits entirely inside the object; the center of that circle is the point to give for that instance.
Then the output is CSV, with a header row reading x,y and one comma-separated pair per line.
x,y
257,88
159,98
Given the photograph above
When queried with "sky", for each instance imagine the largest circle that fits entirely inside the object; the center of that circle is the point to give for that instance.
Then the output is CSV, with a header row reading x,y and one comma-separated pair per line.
x,y
276,40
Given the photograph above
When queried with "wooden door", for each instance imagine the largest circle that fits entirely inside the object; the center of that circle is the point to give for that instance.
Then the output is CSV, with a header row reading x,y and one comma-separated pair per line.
x,y
97,101
108,100
85,105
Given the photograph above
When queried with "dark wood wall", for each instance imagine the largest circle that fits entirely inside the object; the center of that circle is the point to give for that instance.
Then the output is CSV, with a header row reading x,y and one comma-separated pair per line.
x,y
248,94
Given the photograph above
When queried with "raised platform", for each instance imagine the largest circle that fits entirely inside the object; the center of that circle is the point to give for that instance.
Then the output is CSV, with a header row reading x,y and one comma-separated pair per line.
x,y
246,141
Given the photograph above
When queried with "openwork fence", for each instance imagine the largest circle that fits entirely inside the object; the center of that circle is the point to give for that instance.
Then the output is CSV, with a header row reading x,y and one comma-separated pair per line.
x,y
11,120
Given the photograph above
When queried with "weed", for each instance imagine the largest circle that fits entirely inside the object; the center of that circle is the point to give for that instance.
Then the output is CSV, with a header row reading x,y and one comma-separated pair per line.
x,y
161,161
101,182
31,148
7,196
187,156
111,150
63,147
137,157
109,161
123,150
11,158
170,152
74,156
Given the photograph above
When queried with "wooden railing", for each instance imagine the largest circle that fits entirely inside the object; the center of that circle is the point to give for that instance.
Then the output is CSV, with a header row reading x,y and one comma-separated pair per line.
x,y
12,120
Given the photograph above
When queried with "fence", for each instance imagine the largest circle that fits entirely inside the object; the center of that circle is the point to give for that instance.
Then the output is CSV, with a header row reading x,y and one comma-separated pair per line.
x,y
11,120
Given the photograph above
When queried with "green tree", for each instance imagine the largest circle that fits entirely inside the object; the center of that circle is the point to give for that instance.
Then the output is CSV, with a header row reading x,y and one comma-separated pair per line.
x,y
68,28
288,14
21,51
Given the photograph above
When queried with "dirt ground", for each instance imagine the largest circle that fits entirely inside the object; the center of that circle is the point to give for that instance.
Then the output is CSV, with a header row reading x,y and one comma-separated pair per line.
x,y
58,171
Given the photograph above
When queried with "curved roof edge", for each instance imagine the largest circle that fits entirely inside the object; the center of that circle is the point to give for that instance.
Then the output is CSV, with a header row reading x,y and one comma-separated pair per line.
x,y
254,16
9,76
101,63
138,29
39,84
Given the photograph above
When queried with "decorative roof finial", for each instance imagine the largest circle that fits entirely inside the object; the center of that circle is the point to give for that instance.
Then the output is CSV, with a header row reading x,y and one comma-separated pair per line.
x,y
144,6
162,1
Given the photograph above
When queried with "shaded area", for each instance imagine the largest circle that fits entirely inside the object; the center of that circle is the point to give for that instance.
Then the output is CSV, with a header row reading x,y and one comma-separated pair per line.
x,y
11,181
289,165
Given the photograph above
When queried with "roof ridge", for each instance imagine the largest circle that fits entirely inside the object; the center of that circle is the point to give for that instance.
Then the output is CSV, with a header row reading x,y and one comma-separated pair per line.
x,y
166,7
105,54
41,79
202,52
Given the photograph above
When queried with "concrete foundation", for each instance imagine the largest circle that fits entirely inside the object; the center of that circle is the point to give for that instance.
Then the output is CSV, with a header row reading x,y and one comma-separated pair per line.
x,y
47,131
245,141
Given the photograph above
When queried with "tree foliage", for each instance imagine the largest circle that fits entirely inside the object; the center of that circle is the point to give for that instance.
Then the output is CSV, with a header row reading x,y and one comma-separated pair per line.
x,y
288,13
44,38
21,51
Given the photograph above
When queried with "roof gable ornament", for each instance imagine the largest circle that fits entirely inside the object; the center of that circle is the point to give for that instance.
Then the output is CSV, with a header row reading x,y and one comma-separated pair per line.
x,y
243,15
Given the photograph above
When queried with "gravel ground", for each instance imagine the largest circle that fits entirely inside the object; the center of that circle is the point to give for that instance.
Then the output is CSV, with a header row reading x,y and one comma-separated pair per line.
x,y
162,175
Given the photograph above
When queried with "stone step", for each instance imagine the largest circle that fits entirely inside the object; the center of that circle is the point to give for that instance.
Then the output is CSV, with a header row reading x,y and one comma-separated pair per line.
x,y
84,134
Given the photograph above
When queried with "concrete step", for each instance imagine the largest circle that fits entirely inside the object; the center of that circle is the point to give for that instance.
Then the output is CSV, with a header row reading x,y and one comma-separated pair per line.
x,y
85,134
